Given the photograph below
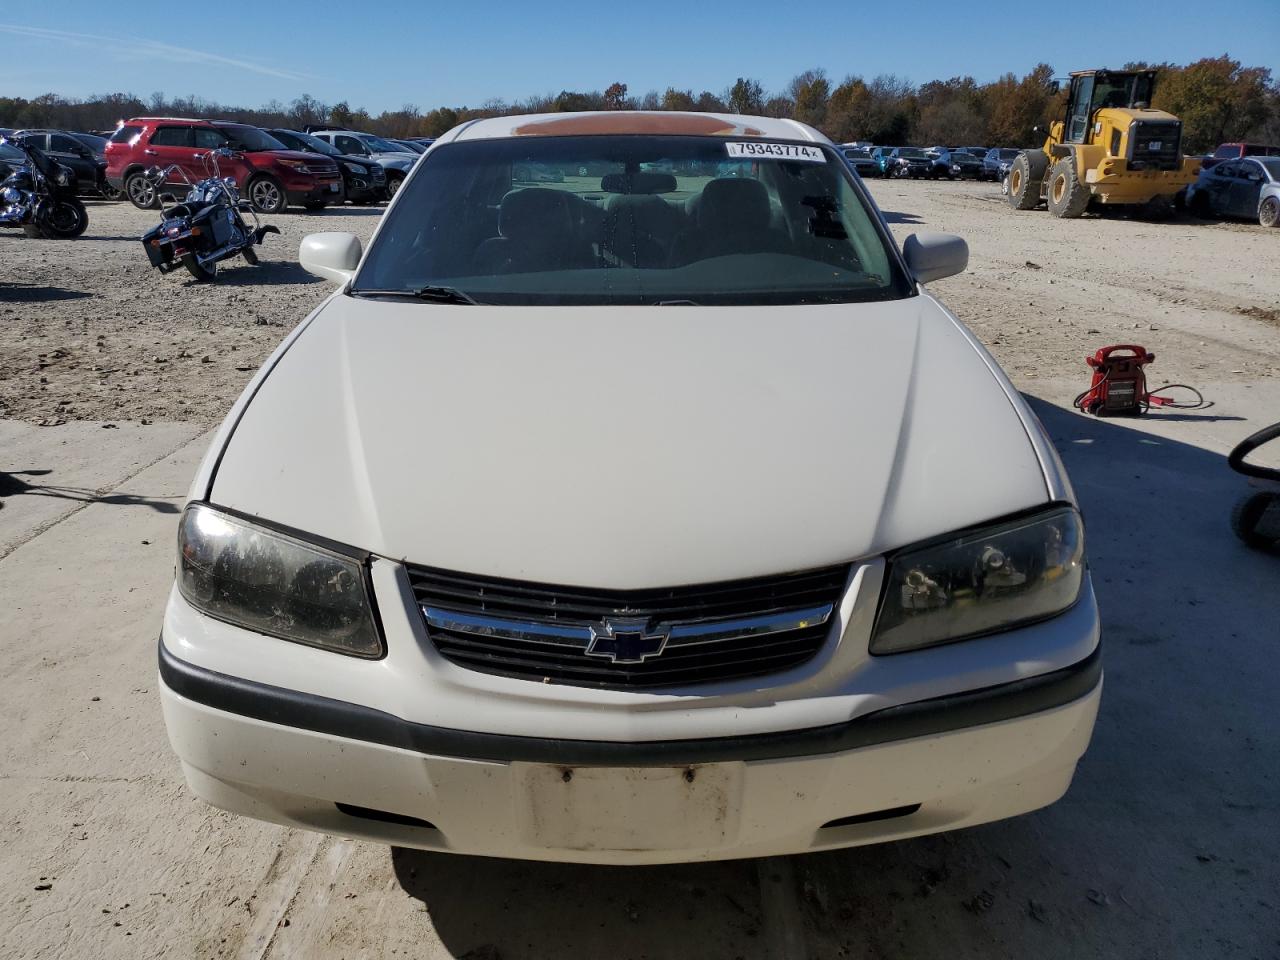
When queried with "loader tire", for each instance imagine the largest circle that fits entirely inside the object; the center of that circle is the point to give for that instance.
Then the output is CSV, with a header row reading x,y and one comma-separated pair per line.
x,y
1025,177
1067,196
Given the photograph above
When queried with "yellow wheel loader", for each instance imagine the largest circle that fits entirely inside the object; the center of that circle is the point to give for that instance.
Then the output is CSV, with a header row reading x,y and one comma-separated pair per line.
x,y
1110,148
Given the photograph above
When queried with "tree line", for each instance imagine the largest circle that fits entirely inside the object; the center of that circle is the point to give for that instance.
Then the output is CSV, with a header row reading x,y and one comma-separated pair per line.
x,y
1217,98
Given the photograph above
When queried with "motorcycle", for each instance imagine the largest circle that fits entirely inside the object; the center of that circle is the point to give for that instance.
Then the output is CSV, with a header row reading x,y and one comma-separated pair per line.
x,y
39,196
206,227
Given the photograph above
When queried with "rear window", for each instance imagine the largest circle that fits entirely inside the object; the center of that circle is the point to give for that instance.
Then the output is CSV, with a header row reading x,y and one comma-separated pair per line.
x,y
634,220
171,137
125,134
1227,151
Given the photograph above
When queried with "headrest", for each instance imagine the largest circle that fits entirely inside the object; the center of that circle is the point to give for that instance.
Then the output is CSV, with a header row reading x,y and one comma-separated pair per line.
x,y
642,181
533,212
734,203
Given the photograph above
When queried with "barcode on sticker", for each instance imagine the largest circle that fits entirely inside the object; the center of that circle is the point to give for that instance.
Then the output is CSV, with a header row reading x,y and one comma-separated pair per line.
x,y
763,150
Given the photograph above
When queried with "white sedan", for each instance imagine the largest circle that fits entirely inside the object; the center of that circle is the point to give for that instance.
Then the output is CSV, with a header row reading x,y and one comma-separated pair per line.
x,y
656,512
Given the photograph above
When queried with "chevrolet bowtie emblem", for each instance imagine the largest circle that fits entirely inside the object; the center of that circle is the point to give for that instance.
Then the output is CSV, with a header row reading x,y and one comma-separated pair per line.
x,y
626,640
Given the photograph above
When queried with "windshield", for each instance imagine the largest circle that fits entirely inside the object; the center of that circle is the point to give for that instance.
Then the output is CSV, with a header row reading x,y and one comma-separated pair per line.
x,y
251,139
94,143
1272,166
1008,154
1120,90
911,152
315,144
633,220
9,152
856,154
378,145
411,147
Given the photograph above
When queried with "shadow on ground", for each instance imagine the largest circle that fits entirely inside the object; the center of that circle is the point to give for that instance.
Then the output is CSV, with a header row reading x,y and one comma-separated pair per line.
x,y
235,272
33,293
14,484
1164,846
489,909
893,216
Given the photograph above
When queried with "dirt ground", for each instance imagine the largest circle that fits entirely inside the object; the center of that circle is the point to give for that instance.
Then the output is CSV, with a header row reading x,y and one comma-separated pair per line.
x,y
89,332
1167,845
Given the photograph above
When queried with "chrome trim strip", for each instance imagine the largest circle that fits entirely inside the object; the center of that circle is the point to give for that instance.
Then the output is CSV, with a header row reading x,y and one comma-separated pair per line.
x,y
580,635
559,634
711,631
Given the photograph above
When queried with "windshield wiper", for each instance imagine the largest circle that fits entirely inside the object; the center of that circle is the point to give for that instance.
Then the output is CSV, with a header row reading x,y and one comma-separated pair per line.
x,y
430,293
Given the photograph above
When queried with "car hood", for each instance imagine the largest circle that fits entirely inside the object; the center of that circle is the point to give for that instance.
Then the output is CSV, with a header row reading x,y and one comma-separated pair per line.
x,y
293,155
630,447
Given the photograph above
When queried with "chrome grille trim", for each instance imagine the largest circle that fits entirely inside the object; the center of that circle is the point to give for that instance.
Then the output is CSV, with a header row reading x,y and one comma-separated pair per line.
x,y
579,636
629,639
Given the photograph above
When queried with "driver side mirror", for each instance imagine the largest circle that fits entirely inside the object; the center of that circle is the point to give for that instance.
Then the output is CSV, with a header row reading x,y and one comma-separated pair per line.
x,y
332,256
933,256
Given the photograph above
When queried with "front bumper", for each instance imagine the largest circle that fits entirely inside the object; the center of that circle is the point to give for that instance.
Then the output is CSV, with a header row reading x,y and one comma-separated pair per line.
x,y
1116,182
314,189
917,768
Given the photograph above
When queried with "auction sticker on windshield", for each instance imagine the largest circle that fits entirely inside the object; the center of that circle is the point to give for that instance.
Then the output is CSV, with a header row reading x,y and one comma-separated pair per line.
x,y
762,150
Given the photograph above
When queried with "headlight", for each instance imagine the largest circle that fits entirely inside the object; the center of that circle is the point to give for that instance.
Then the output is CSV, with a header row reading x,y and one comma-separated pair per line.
x,y
10,195
293,164
981,582
356,169
64,176
273,583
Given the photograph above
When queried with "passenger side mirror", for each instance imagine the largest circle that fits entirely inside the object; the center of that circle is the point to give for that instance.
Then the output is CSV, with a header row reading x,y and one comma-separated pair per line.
x,y
933,256
333,256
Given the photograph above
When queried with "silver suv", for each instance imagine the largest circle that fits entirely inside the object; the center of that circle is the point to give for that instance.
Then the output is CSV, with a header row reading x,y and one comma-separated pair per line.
x,y
395,160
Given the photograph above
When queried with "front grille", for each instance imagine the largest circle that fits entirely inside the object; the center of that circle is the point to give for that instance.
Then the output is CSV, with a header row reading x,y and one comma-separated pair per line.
x,y
629,639
1155,144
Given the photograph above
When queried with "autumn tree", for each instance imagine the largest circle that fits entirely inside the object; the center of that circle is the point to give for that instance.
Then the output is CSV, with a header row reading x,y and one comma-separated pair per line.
x,y
1216,99
675,99
615,96
809,92
745,96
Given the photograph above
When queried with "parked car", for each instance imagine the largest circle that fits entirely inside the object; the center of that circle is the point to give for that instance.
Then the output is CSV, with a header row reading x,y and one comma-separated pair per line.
x,y
996,164
68,149
437,624
882,155
268,174
363,180
861,160
910,162
978,152
954,163
1233,151
10,158
396,161
1247,188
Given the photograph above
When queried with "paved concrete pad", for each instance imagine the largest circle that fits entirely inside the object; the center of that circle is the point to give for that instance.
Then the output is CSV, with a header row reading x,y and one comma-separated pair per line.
x,y
1165,847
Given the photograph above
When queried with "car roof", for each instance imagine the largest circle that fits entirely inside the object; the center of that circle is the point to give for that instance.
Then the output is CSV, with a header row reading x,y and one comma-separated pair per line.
x,y
632,122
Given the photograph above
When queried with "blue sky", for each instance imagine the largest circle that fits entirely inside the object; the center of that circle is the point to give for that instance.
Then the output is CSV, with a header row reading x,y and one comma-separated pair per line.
x,y
384,55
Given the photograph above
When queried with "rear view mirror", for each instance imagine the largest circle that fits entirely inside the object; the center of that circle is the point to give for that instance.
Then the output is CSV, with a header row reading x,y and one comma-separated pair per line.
x,y
933,256
333,256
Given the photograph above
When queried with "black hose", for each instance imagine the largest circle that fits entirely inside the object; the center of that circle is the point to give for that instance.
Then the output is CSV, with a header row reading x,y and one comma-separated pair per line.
x,y
1249,444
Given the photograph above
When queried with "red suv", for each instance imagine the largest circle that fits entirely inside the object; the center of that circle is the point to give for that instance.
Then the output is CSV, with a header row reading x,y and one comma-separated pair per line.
x,y
1232,151
269,175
